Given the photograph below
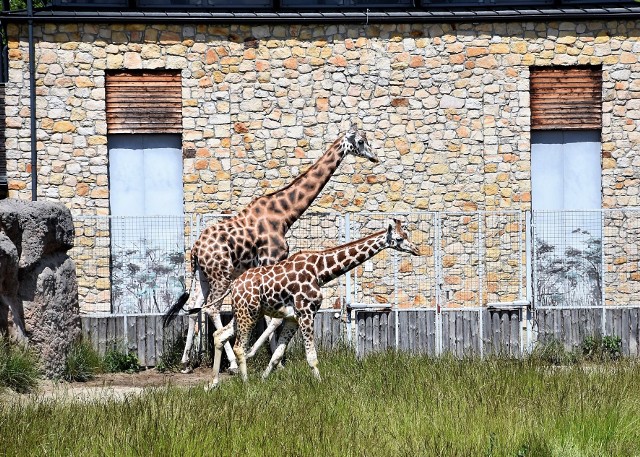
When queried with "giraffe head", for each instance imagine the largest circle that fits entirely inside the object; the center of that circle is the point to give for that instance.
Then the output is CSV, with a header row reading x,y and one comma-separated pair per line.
x,y
398,238
356,143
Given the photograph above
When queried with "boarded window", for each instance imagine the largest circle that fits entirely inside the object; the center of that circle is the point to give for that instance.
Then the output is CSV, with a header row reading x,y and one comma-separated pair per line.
x,y
144,102
567,98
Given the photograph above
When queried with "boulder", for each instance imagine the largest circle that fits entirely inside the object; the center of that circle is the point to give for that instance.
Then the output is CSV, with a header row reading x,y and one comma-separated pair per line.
x,y
42,304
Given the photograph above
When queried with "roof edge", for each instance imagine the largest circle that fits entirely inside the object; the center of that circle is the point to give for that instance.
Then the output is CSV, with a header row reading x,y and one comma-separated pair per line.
x,y
357,17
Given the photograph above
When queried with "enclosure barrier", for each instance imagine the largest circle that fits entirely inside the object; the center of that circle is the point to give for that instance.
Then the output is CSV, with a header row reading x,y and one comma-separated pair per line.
x,y
575,273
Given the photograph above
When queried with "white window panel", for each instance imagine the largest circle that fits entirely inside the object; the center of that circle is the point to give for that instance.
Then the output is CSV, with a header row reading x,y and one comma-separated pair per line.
x,y
145,173
565,170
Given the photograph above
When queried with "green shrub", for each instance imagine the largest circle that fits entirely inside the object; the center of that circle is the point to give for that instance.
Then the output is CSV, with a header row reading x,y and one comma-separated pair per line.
x,y
601,349
552,351
117,360
82,363
18,367
171,356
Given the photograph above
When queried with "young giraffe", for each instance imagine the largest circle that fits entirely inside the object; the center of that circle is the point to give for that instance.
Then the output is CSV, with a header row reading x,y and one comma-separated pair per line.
x,y
256,236
291,290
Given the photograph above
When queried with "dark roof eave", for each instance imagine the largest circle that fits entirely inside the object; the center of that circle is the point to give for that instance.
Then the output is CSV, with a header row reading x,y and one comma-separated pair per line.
x,y
359,17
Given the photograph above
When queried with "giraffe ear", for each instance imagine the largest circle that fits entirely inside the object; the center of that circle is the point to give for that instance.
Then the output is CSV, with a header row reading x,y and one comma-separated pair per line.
x,y
390,226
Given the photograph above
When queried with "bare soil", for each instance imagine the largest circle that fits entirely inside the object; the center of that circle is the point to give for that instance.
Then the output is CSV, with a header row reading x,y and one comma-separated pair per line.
x,y
115,385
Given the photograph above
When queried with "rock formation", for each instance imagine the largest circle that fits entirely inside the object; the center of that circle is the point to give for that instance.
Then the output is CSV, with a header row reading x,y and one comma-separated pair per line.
x,y
38,286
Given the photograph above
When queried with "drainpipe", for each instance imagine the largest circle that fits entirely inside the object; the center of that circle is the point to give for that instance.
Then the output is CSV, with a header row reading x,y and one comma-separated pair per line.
x,y
32,102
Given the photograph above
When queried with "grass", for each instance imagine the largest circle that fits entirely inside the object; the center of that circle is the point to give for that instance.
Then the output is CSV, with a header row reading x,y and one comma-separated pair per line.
x,y
18,367
385,405
82,363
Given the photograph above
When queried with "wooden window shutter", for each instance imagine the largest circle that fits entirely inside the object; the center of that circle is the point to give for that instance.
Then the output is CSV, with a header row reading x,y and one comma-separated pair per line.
x,y
144,102
568,98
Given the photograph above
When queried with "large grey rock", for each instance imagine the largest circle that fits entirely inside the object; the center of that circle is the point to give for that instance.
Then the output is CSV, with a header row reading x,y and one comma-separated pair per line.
x,y
36,228
46,296
11,316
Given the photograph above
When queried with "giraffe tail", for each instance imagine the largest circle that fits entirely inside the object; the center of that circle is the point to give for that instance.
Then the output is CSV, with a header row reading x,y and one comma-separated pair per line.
x,y
171,314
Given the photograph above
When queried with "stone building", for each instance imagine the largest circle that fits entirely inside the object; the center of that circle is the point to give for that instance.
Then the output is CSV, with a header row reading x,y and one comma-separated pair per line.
x,y
462,103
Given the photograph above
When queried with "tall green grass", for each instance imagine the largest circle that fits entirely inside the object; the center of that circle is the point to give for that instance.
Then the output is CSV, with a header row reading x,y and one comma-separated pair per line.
x,y
18,367
385,405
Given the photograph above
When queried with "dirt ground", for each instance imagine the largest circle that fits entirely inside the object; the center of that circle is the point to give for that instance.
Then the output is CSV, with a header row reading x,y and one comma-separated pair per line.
x,y
115,385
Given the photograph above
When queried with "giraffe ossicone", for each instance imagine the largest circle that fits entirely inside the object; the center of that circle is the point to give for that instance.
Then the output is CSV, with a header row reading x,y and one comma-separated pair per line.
x,y
291,290
256,237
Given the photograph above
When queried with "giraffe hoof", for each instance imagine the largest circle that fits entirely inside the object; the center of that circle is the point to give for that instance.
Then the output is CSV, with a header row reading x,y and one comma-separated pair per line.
x,y
232,370
186,369
211,386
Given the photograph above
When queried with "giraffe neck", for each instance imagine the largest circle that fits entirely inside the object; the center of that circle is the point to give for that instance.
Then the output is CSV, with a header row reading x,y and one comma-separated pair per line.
x,y
287,204
338,261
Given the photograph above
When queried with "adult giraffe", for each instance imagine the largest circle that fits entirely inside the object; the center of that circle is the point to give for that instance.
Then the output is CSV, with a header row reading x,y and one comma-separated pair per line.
x,y
256,236
291,290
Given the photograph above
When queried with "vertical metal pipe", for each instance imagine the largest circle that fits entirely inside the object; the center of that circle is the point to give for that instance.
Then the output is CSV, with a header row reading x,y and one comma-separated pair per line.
x,y
481,257
602,274
395,305
32,103
438,267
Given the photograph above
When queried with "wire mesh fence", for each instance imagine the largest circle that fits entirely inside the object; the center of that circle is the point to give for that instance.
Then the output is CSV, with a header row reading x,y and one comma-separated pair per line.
x,y
576,258
392,277
567,254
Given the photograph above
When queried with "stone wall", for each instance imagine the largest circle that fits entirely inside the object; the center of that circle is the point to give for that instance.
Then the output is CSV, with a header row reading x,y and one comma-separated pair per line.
x,y
447,108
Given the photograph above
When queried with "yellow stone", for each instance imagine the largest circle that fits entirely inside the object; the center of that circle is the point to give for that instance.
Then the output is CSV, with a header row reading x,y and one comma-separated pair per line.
x,y
439,169
97,140
63,127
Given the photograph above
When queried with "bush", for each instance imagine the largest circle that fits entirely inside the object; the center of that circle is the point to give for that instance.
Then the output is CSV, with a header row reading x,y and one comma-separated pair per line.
x,y
117,360
18,367
602,349
82,363
552,351
171,356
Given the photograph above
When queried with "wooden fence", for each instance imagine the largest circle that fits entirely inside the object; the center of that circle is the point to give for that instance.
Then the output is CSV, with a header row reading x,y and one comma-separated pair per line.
x,y
144,335
423,331
477,332
572,325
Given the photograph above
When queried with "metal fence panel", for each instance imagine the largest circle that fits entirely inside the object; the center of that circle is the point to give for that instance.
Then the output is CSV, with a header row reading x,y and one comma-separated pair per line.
x,y
393,277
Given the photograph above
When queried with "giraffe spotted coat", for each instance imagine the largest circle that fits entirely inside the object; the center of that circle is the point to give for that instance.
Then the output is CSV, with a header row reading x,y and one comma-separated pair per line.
x,y
291,290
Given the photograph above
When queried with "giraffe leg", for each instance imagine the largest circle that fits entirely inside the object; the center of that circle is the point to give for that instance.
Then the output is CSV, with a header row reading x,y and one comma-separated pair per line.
x,y
184,362
201,293
220,338
233,364
242,340
268,333
306,328
288,330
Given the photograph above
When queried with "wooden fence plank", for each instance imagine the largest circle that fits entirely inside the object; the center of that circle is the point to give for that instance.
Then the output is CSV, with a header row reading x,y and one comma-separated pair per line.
x,y
404,331
360,334
85,322
393,328
132,335
422,331
466,333
495,332
633,332
384,331
625,331
431,332
375,333
515,339
159,338
150,336
141,339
